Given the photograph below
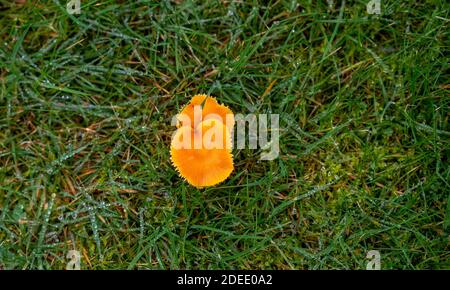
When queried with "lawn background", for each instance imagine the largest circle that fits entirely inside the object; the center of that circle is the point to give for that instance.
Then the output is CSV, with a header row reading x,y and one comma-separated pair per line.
x,y
85,107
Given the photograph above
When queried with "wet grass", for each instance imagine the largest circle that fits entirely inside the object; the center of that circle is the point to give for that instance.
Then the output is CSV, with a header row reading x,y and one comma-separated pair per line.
x,y
85,108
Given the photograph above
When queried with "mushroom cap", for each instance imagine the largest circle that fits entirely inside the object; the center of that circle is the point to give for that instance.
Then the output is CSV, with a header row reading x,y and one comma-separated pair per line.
x,y
211,110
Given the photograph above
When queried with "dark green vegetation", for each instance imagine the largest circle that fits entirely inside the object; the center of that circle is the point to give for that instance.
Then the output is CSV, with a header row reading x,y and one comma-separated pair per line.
x,y
85,108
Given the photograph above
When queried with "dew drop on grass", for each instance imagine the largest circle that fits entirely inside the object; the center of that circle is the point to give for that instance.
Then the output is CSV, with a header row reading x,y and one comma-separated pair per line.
x,y
43,231
141,224
102,205
47,82
94,226
55,164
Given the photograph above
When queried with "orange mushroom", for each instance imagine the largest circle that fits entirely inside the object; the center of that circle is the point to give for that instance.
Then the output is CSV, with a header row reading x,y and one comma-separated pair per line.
x,y
201,146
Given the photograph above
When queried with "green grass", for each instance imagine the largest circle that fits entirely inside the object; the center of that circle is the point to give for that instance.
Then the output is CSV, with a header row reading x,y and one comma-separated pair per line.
x,y
85,108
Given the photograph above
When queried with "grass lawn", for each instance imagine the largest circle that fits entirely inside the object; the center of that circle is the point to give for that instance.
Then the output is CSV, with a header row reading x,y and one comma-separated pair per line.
x,y
86,102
